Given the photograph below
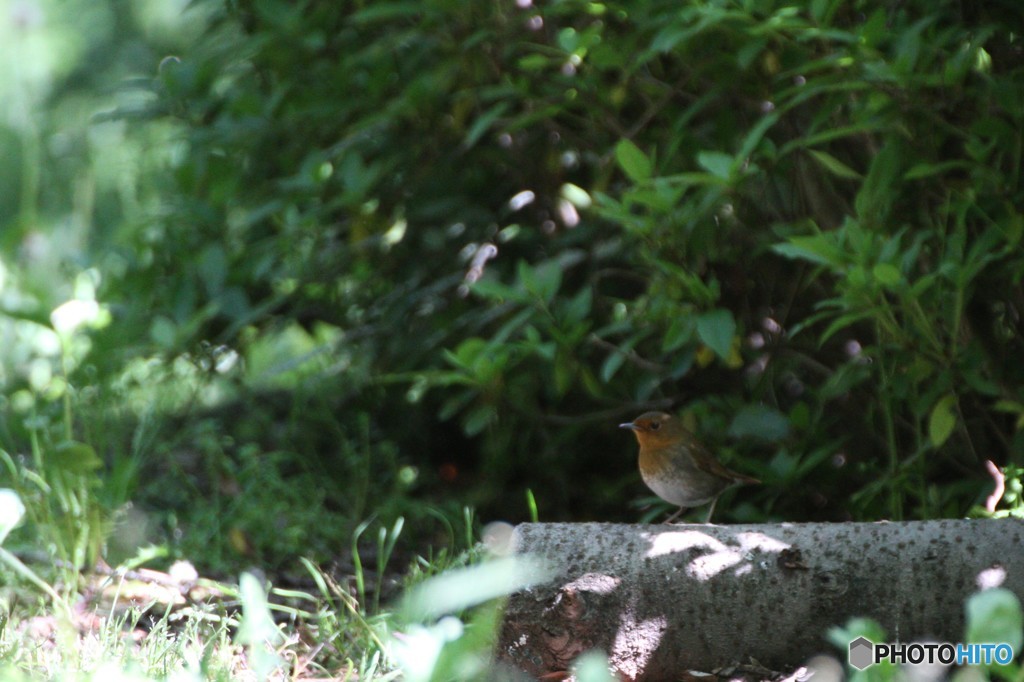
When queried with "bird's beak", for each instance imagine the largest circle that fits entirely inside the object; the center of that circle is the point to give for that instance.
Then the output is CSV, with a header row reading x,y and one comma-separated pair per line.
x,y
629,425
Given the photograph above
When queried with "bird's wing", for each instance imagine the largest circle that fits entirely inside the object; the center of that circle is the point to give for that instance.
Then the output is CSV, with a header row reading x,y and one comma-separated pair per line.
x,y
706,462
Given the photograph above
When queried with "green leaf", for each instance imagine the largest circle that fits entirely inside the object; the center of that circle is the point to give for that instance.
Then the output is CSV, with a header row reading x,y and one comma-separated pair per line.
x,y
856,627
483,124
542,281
817,248
760,422
465,356
679,332
478,419
386,11
756,134
834,165
592,667
887,274
511,326
76,457
213,268
577,308
11,512
823,10
492,288
257,624
527,277
716,163
564,371
716,329
924,170
875,198
923,284
994,615
942,420
258,631
682,364
611,365
844,321
163,331
843,380
460,588
456,404
810,461
576,195
534,62
633,161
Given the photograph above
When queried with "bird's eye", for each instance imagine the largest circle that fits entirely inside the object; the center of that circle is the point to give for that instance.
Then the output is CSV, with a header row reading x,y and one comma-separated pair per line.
x,y
655,426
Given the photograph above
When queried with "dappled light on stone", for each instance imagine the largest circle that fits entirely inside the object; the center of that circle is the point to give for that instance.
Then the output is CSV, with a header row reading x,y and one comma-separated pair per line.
x,y
597,583
681,541
663,599
710,565
637,640
719,556
991,578
760,542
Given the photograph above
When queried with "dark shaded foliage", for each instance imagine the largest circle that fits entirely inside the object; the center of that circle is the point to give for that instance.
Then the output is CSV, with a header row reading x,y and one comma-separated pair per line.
x,y
800,223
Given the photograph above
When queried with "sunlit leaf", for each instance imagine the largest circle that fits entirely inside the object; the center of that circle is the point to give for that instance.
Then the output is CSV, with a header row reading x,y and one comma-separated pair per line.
x,y
834,165
460,589
716,163
257,630
11,512
995,615
576,195
592,667
942,420
818,248
76,457
633,161
887,274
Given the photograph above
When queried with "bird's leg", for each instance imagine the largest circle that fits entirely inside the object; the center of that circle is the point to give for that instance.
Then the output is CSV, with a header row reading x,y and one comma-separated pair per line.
x,y
674,516
711,510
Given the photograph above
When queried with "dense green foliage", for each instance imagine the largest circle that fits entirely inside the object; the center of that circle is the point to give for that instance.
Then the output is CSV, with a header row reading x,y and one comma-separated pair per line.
x,y
355,257
280,279
800,224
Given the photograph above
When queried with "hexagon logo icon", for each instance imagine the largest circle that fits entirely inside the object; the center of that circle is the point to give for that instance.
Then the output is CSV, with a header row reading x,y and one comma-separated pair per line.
x,y
861,653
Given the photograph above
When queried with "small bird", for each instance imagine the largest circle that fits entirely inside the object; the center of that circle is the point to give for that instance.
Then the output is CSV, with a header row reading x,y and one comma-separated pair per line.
x,y
677,467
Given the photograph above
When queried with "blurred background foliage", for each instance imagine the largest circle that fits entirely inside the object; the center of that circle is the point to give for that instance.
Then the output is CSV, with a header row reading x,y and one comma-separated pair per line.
x,y
270,268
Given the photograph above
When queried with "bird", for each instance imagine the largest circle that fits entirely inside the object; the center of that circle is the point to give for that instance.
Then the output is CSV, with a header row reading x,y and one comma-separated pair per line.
x,y
675,465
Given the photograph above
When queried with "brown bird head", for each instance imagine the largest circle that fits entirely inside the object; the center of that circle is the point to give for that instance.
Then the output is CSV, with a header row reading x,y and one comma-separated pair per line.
x,y
658,429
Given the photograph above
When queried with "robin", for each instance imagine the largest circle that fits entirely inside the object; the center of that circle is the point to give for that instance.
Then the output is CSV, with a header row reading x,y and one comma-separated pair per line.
x,y
677,467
